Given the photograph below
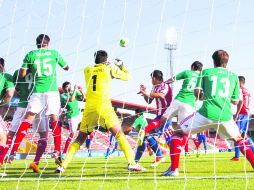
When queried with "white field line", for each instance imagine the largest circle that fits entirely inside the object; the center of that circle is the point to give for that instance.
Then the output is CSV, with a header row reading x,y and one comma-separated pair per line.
x,y
131,178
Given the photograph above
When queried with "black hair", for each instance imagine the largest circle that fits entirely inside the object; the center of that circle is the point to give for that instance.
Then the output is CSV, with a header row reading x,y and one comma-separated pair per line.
x,y
100,56
197,66
220,57
139,111
157,74
42,40
2,61
241,79
65,84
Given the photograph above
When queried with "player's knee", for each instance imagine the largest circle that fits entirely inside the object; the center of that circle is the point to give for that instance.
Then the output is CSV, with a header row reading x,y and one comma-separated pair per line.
x,y
81,137
178,133
30,116
11,133
238,138
53,118
116,130
43,136
163,120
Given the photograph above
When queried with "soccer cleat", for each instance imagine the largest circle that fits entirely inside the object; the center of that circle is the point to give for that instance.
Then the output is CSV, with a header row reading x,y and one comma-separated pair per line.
x,y
169,172
157,161
135,167
197,153
35,167
1,164
58,159
59,169
235,159
3,174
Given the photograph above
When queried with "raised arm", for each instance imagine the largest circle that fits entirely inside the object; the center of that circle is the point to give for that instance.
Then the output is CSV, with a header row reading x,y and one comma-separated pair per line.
x,y
118,71
143,92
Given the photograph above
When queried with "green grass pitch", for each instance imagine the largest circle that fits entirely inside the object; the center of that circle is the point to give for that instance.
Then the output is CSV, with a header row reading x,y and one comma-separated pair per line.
x,y
98,173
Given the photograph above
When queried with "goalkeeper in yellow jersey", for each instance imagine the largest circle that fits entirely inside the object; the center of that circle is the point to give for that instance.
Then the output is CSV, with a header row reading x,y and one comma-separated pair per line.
x,y
98,109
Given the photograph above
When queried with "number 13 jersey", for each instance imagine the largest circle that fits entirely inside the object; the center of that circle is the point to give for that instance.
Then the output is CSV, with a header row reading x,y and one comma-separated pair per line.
x,y
42,64
220,87
98,83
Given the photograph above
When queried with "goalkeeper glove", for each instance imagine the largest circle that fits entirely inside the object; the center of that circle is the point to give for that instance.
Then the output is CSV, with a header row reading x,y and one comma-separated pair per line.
x,y
118,63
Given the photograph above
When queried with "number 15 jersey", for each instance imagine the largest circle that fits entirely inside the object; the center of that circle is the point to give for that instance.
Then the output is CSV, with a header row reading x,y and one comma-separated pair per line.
x,y
220,87
98,83
42,64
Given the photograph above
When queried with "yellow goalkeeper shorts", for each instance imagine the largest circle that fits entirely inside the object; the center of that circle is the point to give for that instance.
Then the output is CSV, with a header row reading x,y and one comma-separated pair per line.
x,y
104,117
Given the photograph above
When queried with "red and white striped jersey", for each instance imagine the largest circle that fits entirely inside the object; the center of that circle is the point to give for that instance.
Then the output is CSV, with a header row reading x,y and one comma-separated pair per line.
x,y
162,103
245,96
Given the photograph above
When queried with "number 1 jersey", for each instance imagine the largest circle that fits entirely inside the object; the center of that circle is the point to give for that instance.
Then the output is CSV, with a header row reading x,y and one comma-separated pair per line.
x,y
42,64
220,87
98,83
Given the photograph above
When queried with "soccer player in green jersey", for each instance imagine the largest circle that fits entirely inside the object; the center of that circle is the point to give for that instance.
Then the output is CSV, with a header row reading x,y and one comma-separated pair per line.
x,y
139,125
42,64
6,85
24,87
69,101
221,88
6,92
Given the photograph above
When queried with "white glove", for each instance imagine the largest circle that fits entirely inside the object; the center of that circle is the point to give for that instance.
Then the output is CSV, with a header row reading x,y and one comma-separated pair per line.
x,y
118,62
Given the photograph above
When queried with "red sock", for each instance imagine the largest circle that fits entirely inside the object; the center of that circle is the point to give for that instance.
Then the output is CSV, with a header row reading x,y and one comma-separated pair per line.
x,y
185,140
41,147
67,143
195,140
9,140
175,151
56,129
22,131
185,144
153,125
186,148
3,151
246,151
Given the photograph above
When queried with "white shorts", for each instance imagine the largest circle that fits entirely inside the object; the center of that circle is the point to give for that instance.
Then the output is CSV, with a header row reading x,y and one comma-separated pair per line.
x,y
196,123
48,101
178,108
3,126
74,123
40,123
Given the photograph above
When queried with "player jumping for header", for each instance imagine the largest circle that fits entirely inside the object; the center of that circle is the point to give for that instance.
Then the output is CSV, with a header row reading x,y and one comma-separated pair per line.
x,y
98,109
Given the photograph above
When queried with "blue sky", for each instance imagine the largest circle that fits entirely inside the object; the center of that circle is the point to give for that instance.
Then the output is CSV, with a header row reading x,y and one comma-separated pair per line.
x,y
79,28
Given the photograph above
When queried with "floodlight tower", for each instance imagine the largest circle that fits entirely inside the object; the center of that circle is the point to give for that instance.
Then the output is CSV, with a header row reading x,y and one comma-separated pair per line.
x,y
170,46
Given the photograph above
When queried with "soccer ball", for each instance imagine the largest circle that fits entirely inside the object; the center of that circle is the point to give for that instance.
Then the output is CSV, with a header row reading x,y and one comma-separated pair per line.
x,y
124,42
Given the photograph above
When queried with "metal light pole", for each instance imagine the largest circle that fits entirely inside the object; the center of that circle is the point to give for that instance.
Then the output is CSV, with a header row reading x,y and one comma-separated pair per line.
x,y
170,46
